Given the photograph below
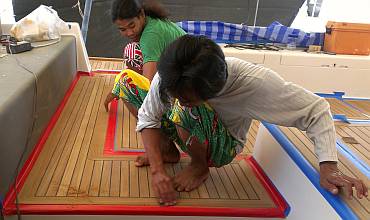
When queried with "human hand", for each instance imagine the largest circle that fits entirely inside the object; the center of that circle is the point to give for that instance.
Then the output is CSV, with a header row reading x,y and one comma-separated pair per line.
x,y
108,99
163,188
331,178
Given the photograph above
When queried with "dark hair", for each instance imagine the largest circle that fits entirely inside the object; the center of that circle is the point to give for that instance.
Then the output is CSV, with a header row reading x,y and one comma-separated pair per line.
x,y
193,63
123,9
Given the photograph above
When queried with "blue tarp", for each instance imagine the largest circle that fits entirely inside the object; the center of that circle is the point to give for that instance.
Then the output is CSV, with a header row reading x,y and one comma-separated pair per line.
x,y
223,32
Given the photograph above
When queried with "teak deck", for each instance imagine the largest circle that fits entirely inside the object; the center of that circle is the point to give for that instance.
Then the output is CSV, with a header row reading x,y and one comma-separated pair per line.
x,y
356,137
99,64
362,105
339,107
72,169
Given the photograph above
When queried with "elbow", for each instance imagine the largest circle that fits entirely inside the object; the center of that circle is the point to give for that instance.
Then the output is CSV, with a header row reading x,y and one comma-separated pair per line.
x,y
320,112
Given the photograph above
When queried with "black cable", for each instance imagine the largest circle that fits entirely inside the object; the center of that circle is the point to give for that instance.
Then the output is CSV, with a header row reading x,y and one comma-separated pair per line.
x,y
29,134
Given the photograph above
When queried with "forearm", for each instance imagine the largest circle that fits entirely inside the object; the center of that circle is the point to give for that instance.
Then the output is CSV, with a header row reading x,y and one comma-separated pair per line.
x,y
151,140
322,132
149,70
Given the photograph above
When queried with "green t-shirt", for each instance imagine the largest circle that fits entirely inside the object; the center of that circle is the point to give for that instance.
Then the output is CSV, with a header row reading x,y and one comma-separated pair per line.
x,y
156,36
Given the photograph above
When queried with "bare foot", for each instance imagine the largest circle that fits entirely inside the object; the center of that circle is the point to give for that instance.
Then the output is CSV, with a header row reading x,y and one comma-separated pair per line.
x,y
190,178
144,161
171,155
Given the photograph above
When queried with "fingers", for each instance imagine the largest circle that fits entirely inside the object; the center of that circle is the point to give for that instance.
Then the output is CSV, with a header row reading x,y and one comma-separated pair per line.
x,y
108,99
106,102
161,203
167,194
360,187
167,198
331,178
366,193
330,187
345,185
106,106
164,191
337,181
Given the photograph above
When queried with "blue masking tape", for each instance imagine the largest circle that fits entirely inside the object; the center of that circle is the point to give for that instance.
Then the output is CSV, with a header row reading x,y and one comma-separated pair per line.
x,y
361,165
339,94
287,210
356,99
336,95
340,117
343,118
358,121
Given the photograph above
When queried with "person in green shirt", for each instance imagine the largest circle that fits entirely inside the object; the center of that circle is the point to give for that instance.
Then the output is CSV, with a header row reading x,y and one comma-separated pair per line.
x,y
146,22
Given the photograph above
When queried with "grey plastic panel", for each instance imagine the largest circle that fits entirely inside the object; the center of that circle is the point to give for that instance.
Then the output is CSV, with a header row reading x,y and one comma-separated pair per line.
x,y
55,68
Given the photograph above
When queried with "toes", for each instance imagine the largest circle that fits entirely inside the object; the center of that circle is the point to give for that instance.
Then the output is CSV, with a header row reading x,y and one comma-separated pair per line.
x,y
186,185
178,185
192,185
141,161
195,183
188,189
180,188
175,184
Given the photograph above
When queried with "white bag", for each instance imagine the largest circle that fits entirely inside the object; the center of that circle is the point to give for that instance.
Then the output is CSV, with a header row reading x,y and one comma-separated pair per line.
x,y
41,24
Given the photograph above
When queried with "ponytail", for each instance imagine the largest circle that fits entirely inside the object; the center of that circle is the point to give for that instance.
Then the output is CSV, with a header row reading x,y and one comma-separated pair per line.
x,y
123,9
154,9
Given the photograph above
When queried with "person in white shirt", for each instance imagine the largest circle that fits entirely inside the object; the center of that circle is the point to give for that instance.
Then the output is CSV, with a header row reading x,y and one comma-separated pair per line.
x,y
211,101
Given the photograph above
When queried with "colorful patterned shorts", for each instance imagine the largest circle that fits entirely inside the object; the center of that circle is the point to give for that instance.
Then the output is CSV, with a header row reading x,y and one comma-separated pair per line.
x,y
201,122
